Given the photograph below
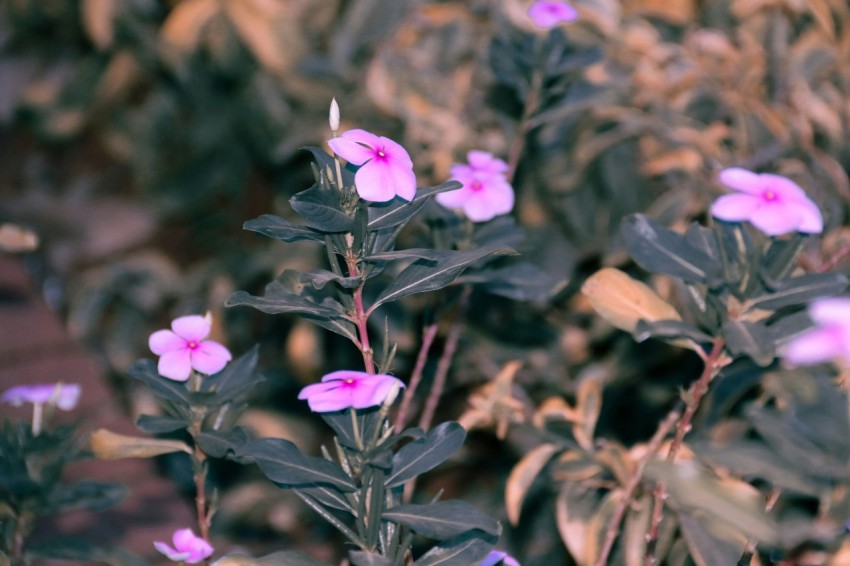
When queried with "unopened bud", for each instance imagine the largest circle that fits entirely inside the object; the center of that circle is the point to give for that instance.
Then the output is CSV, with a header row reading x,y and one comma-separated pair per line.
x,y
333,117
624,301
392,394
108,445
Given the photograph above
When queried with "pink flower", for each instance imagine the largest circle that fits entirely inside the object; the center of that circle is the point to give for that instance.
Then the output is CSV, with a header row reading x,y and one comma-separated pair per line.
x,y
828,340
187,547
498,557
183,348
386,169
774,204
342,389
65,395
486,191
547,14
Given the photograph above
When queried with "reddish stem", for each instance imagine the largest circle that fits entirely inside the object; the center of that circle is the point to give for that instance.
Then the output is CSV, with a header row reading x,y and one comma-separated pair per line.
x,y
416,377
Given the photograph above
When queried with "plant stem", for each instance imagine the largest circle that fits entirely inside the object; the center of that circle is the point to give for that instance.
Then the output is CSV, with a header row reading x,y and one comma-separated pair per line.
x,y
428,337
750,550
619,512
713,363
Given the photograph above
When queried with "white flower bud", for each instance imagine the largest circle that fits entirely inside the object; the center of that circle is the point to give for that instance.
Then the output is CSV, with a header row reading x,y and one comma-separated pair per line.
x,y
333,117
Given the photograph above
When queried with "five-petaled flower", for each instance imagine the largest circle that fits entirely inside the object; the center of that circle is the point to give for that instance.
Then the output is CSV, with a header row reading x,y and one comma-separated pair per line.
x,y
345,389
774,204
828,340
64,395
184,348
386,169
187,547
499,557
547,14
485,193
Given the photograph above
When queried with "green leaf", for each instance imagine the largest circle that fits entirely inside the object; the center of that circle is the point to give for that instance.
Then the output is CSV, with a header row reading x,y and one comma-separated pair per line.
x,y
218,443
168,389
800,290
340,422
421,455
159,424
236,379
661,250
95,496
398,212
780,259
329,497
706,548
738,256
519,281
424,275
282,229
669,329
750,339
327,165
364,558
321,277
282,462
418,253
442,520
320,210
502,231
468,548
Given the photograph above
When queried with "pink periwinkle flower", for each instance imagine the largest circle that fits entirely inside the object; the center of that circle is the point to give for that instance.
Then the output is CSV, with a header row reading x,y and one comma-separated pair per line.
x,y
187,547
828,340
499,557
485,193
184,348
774,204
343,389
65,395
547,14
386,169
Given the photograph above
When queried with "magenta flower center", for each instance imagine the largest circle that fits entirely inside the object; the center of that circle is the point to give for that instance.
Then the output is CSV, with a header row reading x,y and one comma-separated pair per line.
x,y
192,345
769,195
476,186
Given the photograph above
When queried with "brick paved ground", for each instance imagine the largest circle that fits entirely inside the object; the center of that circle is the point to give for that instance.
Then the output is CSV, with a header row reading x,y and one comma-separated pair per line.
x,y
34,348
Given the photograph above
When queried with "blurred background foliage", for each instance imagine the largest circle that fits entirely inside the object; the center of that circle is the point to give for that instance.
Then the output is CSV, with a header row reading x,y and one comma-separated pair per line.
x,y
138,136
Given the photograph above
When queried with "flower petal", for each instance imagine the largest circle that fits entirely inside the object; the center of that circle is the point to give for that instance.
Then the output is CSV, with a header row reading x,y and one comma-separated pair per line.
x,y
210,357
327,396
485,162
454,199
355,146
163,341
176,365
395,152
815,346
812,220
380,182
741,180
69,396
343,374
776,218
735,207
372,390
192,328
831,311
171,553
548,13
496,198
783,186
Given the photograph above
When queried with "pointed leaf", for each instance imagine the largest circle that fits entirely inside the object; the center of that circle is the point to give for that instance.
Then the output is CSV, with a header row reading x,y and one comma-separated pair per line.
x,y
518,281
523,475
236,379
398,211
168,389
327,496
749,339
282,229
705,547
661,250
418,253
669,329
320,210
443,519
800,290
468,548
421,455
425,275
340,421
282,462
218,443
160,424
363,558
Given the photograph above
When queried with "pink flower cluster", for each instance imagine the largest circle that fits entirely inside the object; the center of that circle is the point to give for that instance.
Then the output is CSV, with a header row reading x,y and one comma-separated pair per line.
x,y
774,204
346,389
386,170
187,547
184,348
486,192
829,340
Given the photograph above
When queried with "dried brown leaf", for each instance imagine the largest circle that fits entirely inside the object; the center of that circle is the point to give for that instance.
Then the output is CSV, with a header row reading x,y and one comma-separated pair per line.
x,y
523,475
98,19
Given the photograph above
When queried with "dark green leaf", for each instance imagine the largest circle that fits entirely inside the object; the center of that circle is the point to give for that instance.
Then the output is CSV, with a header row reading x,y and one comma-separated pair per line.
x,y
159,424
320,210
738,256
789,326
661,250
781,257
321,277
704,239
168,389
236,379
468,548
398,211
800,290
281,229
217,443
442,520
669,329
418,253
750,339
421,455
519,281
282,462
327,496
502,231
340,422
95,496
363,558
426,275
327,165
